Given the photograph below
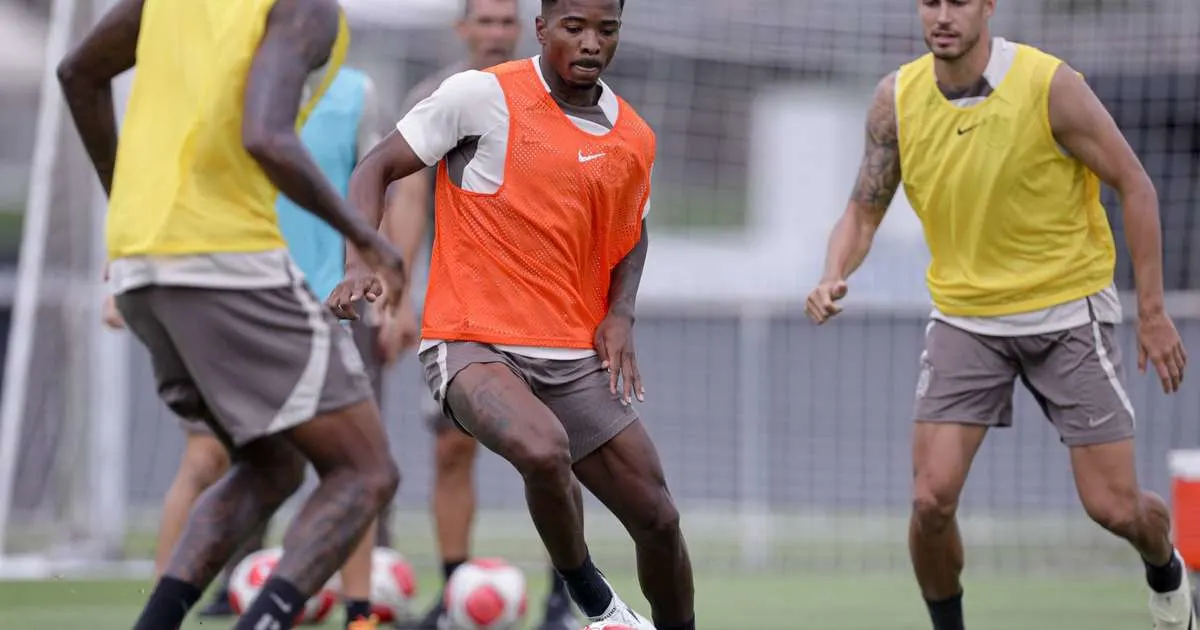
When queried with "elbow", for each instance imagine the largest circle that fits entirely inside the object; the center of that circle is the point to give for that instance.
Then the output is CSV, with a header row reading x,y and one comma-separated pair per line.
x,y
69,75
264,146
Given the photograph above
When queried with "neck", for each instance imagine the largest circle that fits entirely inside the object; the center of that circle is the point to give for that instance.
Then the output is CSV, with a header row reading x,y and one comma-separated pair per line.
x,y
965,71
561,90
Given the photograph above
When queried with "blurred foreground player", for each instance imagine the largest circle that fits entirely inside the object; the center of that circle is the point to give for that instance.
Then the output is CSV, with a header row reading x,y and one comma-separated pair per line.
x,y
490,29
203,278
1001,149
342,127
542,186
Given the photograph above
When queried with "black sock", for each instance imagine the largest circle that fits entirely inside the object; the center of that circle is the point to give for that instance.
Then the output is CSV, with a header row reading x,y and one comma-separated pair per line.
x,y
357,609
557,585
279,601
947,614
1166,578
588,588
687,625
168,605
449,566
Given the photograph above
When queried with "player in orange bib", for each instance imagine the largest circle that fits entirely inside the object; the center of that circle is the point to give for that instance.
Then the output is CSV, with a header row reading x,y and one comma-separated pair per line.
x,y
543,182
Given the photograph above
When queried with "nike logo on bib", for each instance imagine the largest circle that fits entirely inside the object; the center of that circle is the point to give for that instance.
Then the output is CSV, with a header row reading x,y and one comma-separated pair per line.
x,y
588,158
961,130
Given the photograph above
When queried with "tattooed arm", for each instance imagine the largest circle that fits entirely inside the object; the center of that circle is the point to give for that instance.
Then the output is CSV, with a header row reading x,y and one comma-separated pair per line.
x,y
86,75
878,179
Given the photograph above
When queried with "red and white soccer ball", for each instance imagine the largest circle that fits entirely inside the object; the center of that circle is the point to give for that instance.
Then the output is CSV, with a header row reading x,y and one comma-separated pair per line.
x,y
486,594
251,574
393,585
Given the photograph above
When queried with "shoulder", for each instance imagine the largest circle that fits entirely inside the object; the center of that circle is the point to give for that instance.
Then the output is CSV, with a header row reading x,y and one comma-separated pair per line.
x,y
459,86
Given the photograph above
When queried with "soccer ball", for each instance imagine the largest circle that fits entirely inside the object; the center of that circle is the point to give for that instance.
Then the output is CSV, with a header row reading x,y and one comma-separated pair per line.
x,y
393,585
486,594
251,574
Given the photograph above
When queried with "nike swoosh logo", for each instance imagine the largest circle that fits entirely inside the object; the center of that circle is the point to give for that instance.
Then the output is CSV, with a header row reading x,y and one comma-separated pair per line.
x,y
1095,422
961,131
588,158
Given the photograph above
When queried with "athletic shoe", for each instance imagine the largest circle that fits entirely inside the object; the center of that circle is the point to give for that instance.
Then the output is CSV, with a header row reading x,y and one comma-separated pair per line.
x,y
1174,610
435,619
363,623
621,613
218,607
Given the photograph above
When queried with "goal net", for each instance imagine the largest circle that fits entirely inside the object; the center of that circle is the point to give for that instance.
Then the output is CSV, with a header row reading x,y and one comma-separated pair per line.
x,y
786,446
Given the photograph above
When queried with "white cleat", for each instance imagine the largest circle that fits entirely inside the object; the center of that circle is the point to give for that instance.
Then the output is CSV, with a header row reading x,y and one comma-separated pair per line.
x,y
619,614
1174,610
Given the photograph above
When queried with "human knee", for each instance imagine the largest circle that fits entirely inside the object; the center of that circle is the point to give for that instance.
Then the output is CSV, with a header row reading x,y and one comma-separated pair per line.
x,y
1119,513
382,480
544,458
934,506
205,461
454,452
658,525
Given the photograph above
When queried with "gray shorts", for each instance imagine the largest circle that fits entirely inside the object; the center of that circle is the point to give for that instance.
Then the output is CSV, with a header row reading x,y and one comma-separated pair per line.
x,y
576,391
248,363
1075,375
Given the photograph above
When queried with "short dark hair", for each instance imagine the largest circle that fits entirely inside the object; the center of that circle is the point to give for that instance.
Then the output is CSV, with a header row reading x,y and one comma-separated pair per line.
x,y
549,4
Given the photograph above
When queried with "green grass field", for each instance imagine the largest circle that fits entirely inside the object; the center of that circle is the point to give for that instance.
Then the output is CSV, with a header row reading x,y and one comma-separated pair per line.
x,y
724,602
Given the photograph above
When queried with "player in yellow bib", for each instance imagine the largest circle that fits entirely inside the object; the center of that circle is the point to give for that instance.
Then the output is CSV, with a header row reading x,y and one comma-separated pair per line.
x,y
1001,149
203,278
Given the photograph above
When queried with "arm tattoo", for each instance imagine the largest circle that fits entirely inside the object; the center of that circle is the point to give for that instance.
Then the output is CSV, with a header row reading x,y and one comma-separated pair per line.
x,y
879,174
86,75
627,276
299,38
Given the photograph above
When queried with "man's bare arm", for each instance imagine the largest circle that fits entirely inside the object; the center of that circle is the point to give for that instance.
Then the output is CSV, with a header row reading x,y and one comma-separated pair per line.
x,y
391,160
627,276
299,38
1085,129
878,180
86,75
406,216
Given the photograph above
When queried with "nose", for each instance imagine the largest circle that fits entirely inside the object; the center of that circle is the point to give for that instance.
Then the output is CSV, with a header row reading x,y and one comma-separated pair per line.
x,y
589,43
943,16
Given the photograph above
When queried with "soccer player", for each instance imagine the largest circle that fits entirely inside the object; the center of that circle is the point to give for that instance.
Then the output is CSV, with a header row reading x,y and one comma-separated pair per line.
x,y
542,186
1001,149
342,127
490,29
203,277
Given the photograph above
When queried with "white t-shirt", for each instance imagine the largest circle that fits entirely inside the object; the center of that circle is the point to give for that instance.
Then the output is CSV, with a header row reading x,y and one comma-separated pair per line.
x,y
465,122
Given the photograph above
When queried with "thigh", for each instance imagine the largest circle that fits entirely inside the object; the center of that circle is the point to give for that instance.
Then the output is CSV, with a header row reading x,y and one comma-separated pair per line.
x,y
442,364
965,378
265,360
578,393
1078,378
490,401
175,385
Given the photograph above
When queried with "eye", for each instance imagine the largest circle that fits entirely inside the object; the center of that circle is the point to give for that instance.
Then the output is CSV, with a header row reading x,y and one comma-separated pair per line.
x,y
574,30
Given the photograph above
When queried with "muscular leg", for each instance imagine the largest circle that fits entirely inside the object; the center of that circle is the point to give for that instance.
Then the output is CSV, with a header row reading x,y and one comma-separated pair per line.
x,y
453,500
503,414
942,456
204,461
627,476
265,473
1106,477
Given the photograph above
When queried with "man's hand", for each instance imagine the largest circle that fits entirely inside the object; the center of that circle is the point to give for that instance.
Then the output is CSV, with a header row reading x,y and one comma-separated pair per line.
x,y
386,279
112,317
398,333
1159,343
614,343
822,302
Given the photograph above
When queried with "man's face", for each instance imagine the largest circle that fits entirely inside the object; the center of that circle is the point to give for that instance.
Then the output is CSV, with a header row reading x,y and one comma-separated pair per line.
x,y
953,27
491,29
579,38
